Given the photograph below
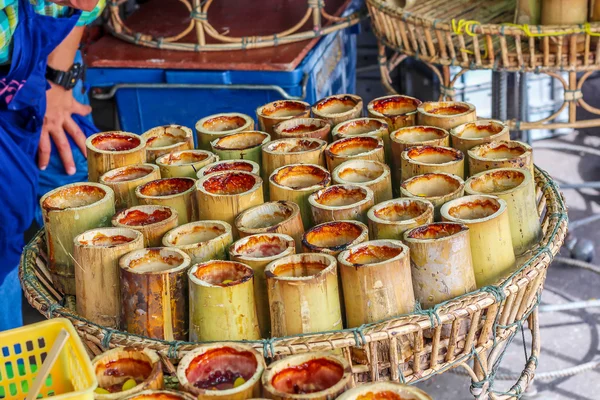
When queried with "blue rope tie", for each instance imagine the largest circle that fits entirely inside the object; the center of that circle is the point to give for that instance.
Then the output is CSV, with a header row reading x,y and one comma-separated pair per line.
x,y
106,339
495,291
275,40
172,352
268,348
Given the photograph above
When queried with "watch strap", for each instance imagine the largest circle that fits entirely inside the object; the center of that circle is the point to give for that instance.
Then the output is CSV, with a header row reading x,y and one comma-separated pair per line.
x,y
67,79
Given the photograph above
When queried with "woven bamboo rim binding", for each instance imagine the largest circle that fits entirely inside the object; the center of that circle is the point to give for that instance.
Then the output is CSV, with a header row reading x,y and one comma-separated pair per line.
x,y
493,315
323,23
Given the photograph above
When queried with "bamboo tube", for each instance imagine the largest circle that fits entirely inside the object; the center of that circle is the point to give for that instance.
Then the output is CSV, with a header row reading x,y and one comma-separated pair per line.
x,y
115,367
69,211
291,151
338,108
441,264
564,12
377,273
354,148
372,174
384,390
303,294
366,127
222,305
489,232
110,150
471,134
257,251
517,188
445,114
219,125
334,237
160,395
303,128
528,12
398,111
240,146
495,155
594,11
151,221
271,114
154,301
96,255
272,217
222,196
390,219
218,366
201,240
421,160
229,165
124,180
437,188
341,202
314,376
295,183
177,193
167,139
184,163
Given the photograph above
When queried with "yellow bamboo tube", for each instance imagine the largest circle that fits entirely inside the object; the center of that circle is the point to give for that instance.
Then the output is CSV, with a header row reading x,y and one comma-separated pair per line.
x,y
372,174
445,114
495,155
365,127
594,11
115,367
124,180
354,148
489,232
438,188
154,300
398,111
384,390
421,160
313,376
517,188
69,211
160,395
471,134
110,150
211,370
528,12
338,108
334,237
151,221
303,294
222,305
245,145
390,219
271,114
219,125
272,217
222,196
378,275
303,128
291,151
341,202
295,183
184,163
177,193
201,240
441,263
257,251
167,139
564,12
96,255
229,165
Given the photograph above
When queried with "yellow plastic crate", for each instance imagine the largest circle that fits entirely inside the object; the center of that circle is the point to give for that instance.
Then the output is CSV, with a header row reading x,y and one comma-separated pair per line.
x,y
22,352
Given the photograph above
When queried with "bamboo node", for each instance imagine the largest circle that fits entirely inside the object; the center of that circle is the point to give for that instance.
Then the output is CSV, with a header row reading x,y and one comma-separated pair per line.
x,y
573,95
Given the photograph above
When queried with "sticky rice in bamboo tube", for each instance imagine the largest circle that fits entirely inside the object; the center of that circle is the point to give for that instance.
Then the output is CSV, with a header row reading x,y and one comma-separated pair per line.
x,y
421,160
390,219
373,174
245,145
334,237
219,125
493,155
354,148
471,134
167,139
110,150
124,180
201,240
366,127
273,113
185,163
385,391
398,111
438,188
160,395
445,114
177,193
341,202
152,221
338,108
229,165
291,151
303,128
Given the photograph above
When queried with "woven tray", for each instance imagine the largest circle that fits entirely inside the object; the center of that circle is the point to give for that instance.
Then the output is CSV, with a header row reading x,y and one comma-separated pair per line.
x,y
407,348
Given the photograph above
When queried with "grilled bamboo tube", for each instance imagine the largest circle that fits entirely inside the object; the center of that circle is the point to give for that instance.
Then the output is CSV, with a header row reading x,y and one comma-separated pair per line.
x,y
303,294
110,150
390,219
366,127
167,139
219,125
222,305
437,188
517,189
303,128
495,155
218,366
314,376
398,111
334,237
441,264
154,299
384,390
229,165
151,221
257,251
96,255
338,108
421,160
177,193
354,148
124,180
69,211
184,163
245,145
489,232
372,174
291,151
201,240
160,395
471,134
271,114
341,202
445,114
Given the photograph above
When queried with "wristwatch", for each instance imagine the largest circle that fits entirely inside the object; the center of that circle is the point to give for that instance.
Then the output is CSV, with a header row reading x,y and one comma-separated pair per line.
x,y
67,79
